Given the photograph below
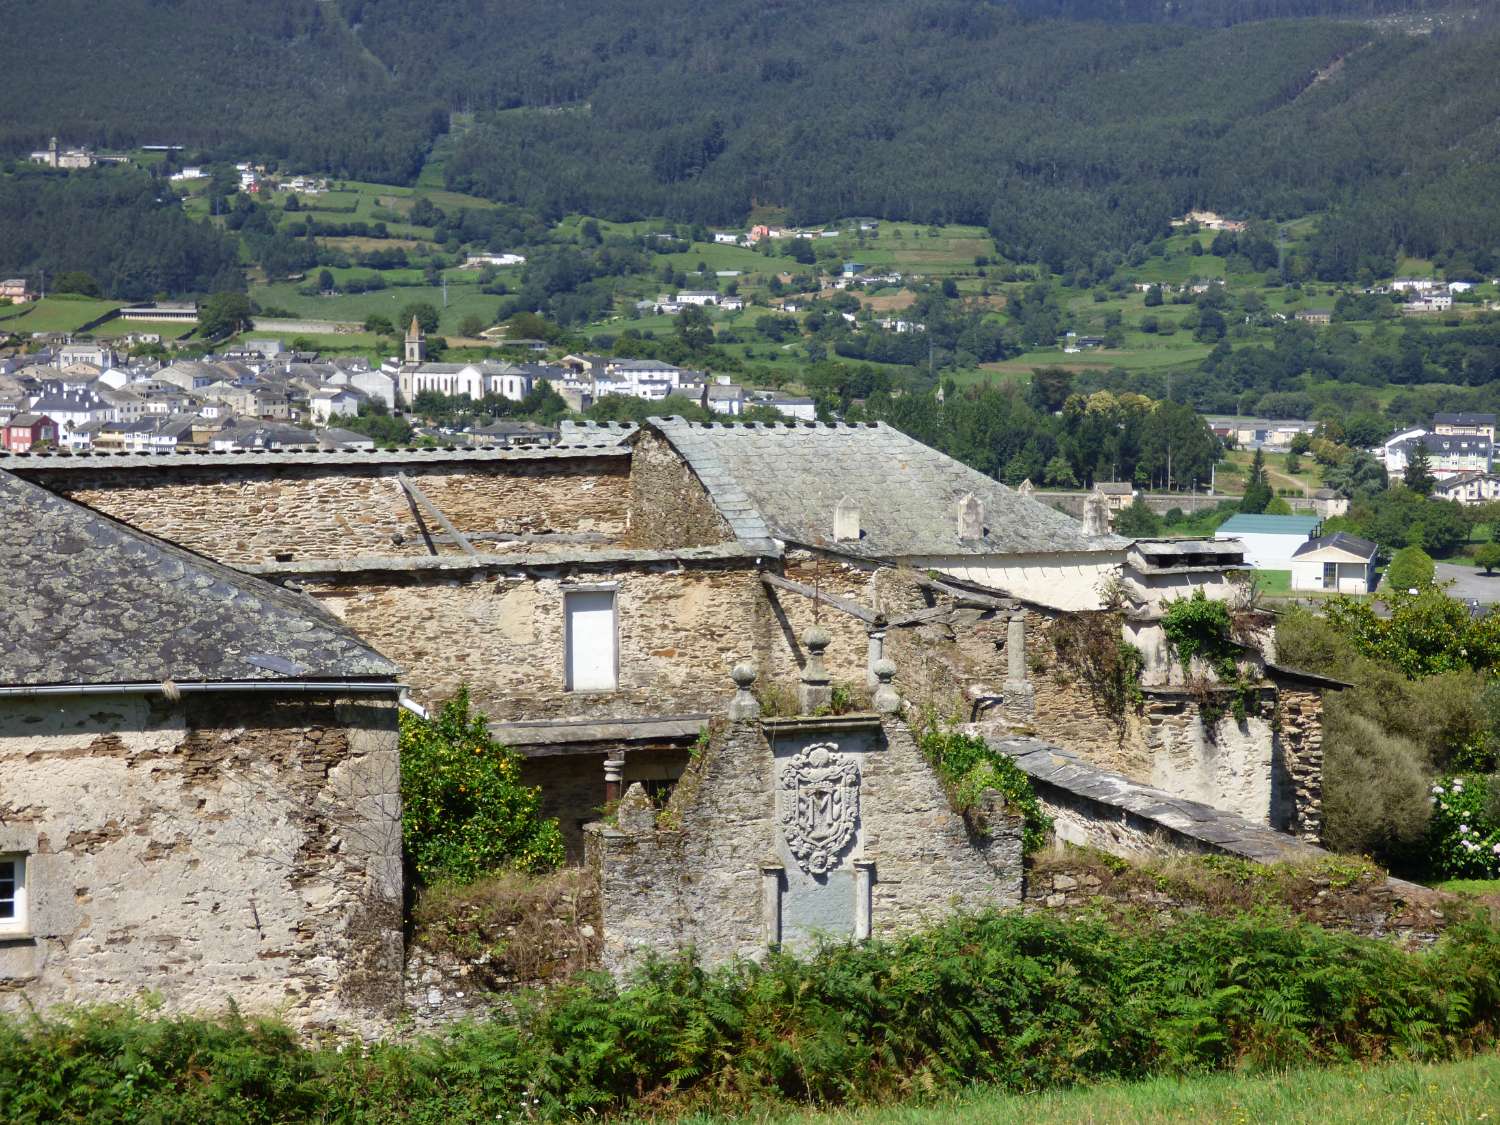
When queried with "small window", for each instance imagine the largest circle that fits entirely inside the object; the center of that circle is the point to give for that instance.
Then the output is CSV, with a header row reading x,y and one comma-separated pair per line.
x,y
12,894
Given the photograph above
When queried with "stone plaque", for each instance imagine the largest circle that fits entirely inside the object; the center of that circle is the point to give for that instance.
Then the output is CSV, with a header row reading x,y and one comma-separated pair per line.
x,y
819,806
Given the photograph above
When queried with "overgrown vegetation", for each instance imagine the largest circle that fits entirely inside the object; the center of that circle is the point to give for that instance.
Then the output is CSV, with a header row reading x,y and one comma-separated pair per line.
x,y
1090,648
1016,1002
464,811
1200,628
968,767
1421,714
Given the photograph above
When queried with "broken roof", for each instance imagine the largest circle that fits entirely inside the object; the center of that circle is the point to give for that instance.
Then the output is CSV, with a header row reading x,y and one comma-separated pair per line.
x,y
91,601
775,481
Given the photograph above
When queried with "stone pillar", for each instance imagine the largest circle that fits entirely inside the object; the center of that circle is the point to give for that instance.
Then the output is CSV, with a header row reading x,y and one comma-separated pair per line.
x,y
876,651
770,903
744,707
815,692
1020,695
614,774
636,813
864,881
887,699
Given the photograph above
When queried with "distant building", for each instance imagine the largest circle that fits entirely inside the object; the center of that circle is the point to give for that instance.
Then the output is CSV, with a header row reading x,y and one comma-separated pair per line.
x,y
1270,542
24,431
15,289
180,313
1315,316
55,156
1337,563
1469,488
1464,423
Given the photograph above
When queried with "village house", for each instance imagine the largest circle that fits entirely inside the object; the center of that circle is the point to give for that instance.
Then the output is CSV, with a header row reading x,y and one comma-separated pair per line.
x,y
1270,542
15,289
1339,563
201,798
25,430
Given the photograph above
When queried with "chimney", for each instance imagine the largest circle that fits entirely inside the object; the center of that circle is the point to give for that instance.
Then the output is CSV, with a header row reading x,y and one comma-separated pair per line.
x,y
846,521
970,517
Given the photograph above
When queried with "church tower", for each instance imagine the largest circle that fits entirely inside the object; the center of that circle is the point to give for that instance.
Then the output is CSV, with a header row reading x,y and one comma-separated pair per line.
x,y
416,343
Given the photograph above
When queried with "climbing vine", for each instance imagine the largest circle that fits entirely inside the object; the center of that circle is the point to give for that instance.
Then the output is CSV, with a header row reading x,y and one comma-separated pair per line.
x,y
968,766
1200,628
1089,647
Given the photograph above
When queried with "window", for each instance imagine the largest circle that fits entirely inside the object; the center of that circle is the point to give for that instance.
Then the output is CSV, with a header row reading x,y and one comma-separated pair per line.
x,y
590,640
1330,576
12,894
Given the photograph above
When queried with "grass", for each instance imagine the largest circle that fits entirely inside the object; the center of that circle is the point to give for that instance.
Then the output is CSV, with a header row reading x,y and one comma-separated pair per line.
x,y
1470,886
465,298
1466,1091
54,314
1274,582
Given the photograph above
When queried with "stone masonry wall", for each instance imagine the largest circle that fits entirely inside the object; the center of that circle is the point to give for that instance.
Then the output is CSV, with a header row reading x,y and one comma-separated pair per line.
x,y
244,848
304,510
1298,781
695,875
680,628
669,507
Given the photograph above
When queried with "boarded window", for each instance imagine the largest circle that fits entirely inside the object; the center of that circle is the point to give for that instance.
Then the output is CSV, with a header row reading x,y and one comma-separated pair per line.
x,y
591,640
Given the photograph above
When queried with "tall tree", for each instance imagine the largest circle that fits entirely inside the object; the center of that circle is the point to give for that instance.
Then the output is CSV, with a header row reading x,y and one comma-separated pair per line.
x,y
1257,488
1418,476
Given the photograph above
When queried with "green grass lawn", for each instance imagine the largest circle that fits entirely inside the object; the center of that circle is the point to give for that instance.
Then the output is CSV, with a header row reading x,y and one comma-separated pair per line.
x,y
1467,1091
464,299
1276,583
1470,887
167,329
53,314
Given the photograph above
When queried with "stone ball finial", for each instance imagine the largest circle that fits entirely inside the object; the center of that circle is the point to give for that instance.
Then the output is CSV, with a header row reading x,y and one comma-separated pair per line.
x,y
887,699
743,674
817,638
885,670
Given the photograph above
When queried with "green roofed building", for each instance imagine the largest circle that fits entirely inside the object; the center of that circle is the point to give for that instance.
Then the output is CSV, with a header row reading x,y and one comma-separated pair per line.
x,y
1270,541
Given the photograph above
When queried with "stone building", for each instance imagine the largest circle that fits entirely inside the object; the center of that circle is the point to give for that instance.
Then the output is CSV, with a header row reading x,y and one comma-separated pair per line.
x,y
199,784
594,595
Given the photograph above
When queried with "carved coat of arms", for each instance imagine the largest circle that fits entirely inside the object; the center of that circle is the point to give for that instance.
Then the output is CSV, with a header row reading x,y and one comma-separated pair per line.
x,y
819,805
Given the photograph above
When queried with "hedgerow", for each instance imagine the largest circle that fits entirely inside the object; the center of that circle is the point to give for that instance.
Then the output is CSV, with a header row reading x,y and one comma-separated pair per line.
x,y
1015,1001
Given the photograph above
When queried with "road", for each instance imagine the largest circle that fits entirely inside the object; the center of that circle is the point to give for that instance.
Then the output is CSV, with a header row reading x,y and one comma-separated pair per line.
x,y
1469,582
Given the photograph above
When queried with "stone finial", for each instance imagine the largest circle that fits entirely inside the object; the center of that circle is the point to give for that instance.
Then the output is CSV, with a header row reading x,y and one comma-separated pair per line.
x,y
1026,488
846,520
970,517
744,707
1096,514
614,774
887,699
636,812
815,692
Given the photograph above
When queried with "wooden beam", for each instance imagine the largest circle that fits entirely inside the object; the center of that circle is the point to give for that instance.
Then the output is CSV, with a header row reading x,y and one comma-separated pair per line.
x,y
921,616
432,509
843,605
958,593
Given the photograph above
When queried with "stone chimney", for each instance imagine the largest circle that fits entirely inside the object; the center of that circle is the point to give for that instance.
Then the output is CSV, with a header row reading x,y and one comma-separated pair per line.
x,y
970,517
846,521
1096,514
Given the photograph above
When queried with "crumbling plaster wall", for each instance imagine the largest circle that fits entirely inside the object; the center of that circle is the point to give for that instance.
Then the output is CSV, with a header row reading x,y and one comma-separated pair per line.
x,y
304,510
243,848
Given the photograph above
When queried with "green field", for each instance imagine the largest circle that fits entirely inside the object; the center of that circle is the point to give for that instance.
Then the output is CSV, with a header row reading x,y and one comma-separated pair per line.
x,y
464,299
54,314
1467,1091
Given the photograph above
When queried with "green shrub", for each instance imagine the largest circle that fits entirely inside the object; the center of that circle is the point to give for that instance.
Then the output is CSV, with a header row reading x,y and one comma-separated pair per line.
x,y
1411,569
967,767
1375,788
464,811
1464,840
1009,1000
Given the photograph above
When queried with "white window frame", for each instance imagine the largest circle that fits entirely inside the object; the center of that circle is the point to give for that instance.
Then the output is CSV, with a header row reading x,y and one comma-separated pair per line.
x,y
19,921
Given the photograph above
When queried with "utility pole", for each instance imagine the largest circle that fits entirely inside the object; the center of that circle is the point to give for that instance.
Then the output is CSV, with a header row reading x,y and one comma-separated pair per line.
x,y
445,291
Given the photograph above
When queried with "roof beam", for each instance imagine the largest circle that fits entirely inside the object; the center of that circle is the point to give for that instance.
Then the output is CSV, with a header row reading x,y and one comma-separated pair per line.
x,y
843,605
432,509
958,593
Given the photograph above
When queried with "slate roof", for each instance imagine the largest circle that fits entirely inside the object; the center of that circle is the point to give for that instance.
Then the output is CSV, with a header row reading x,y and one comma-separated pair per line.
x,y
91,601
1463,418
774,481
1340,541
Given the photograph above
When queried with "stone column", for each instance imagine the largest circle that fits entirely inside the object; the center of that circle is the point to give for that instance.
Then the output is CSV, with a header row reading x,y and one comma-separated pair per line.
x,y
1020,695
876,652
770,903
815,692
864,881
887,699
744,707
614,774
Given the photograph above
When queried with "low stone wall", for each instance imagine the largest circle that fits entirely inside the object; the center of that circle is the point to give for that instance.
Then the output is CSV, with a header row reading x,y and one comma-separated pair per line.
x,y
1336,894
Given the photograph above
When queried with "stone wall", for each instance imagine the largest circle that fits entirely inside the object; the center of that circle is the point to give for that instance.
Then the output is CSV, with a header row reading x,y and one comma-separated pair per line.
x,y
243,510
1298,781
713,870
681,626
669,507
1334,893
226,847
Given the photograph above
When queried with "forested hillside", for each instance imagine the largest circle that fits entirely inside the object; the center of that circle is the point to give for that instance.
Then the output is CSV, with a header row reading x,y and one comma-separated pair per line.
x,y
1073,129
113,225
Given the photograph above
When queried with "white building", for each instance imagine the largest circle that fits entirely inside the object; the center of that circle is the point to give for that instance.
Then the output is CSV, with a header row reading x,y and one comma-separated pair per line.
x,y
1270,542
1337,563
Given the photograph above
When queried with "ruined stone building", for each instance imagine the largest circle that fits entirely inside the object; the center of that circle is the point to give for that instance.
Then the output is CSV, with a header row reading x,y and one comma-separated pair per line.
x,y
199,792
595,595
